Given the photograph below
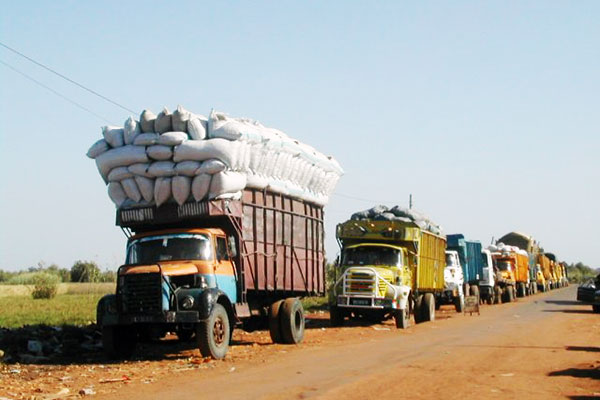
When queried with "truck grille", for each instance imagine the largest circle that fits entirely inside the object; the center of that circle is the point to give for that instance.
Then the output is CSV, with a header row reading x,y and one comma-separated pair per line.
x,y
141,294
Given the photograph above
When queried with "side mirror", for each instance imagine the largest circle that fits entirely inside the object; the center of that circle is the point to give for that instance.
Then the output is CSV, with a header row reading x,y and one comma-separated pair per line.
x,y
232,248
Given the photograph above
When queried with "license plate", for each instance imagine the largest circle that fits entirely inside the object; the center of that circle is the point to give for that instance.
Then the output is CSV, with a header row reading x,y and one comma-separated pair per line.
x,y
142,318
360,302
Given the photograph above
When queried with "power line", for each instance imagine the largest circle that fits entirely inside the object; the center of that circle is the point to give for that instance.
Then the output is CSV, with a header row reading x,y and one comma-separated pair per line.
x,y
66,78
54,91
361,199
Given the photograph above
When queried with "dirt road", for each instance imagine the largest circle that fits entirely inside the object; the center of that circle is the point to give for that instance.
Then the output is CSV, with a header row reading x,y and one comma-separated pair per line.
x,y
545,346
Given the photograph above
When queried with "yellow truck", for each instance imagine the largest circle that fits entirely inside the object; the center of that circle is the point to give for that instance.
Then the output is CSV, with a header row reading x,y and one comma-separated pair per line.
x,y
387,269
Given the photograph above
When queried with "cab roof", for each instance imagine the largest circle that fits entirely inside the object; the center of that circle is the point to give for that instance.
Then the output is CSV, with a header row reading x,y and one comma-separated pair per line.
x,y
210,231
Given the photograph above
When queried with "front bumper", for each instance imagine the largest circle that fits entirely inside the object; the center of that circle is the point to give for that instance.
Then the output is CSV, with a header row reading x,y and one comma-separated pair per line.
x,y
166,317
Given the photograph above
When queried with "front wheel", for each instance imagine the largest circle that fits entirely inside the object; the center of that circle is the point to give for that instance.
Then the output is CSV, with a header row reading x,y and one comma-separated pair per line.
x,y
118,342
596,308
402,318
459,303
214,333
428,307
336,316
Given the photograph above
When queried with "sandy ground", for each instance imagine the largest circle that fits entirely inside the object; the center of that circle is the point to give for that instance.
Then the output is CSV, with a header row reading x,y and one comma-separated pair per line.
x,y
545,346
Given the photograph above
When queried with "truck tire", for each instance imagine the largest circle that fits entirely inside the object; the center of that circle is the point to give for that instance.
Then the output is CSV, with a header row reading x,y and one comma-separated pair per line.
x,y
459,304
497,295
418,310
490,299
402,318
521,290
213,334
509,294
274,322
475,292
336,316
118,342
428,307
596,308
292,321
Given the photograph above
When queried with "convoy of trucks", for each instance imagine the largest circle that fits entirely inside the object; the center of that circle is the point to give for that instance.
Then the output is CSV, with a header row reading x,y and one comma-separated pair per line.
x,y
223,232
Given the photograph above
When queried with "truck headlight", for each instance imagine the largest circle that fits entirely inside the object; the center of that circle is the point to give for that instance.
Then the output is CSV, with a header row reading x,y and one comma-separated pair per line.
x,y
187,302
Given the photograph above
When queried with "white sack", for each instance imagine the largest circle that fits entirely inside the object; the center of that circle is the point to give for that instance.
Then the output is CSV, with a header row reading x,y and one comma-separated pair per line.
x,y
159,152
162,190
163,121
197,126
224,127
230,196
181,186
146,139
200,186
98,148
180,119
116,193
211,167
140,169
119,157
162,169
256,181
118,174
187,168
131,189
226,182
146,187
172,138
113,135
131,130
200,150
147,119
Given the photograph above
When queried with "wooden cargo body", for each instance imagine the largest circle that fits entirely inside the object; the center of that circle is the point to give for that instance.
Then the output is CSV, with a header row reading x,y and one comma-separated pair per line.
x,y
278,239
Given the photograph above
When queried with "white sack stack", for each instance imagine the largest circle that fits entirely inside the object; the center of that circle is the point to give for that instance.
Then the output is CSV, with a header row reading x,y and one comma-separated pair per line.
x,y
181,156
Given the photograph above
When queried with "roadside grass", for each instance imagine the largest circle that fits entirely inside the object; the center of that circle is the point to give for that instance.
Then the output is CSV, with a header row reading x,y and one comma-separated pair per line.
x,y
64,309
312,304
63,288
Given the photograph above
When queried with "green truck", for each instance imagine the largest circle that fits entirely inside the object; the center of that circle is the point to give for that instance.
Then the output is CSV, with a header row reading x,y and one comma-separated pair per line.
x,y
387,269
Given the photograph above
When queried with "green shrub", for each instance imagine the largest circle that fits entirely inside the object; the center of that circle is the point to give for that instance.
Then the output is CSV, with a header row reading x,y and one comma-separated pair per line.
x,y
85,271
45,285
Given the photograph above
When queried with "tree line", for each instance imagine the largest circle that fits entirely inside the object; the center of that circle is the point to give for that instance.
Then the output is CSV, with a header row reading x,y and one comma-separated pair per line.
x,y
81,271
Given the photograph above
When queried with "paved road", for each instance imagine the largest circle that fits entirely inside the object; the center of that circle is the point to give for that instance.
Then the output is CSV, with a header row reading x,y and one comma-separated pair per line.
x,y
544,346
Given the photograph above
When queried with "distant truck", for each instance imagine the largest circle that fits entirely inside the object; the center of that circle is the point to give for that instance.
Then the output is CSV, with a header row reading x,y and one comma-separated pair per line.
x,y
544,263
203,268
453,283
505,288
488,280
388,269
531,246
473,264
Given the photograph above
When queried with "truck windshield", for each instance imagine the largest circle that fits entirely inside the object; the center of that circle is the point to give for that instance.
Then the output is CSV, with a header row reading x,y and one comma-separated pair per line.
x,y
504,266
484,260
372,255
451,260
152,249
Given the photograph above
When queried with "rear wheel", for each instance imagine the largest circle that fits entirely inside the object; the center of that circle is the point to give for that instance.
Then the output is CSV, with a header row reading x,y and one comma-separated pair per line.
x,y
214,333
428,307
418,310
509,294
274,324
292,321
336,316
118,342
596,308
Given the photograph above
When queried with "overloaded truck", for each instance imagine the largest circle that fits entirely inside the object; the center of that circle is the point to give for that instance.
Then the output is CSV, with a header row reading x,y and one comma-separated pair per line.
x,y
389,267
204,268
544,263
506,276
531,246
224,218
473,264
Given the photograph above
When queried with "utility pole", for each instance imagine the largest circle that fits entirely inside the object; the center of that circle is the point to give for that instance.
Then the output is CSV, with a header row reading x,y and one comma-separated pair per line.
x,y
410,201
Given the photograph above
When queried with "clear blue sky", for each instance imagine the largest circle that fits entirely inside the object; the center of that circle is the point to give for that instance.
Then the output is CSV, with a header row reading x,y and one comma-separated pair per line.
x,y
487,112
